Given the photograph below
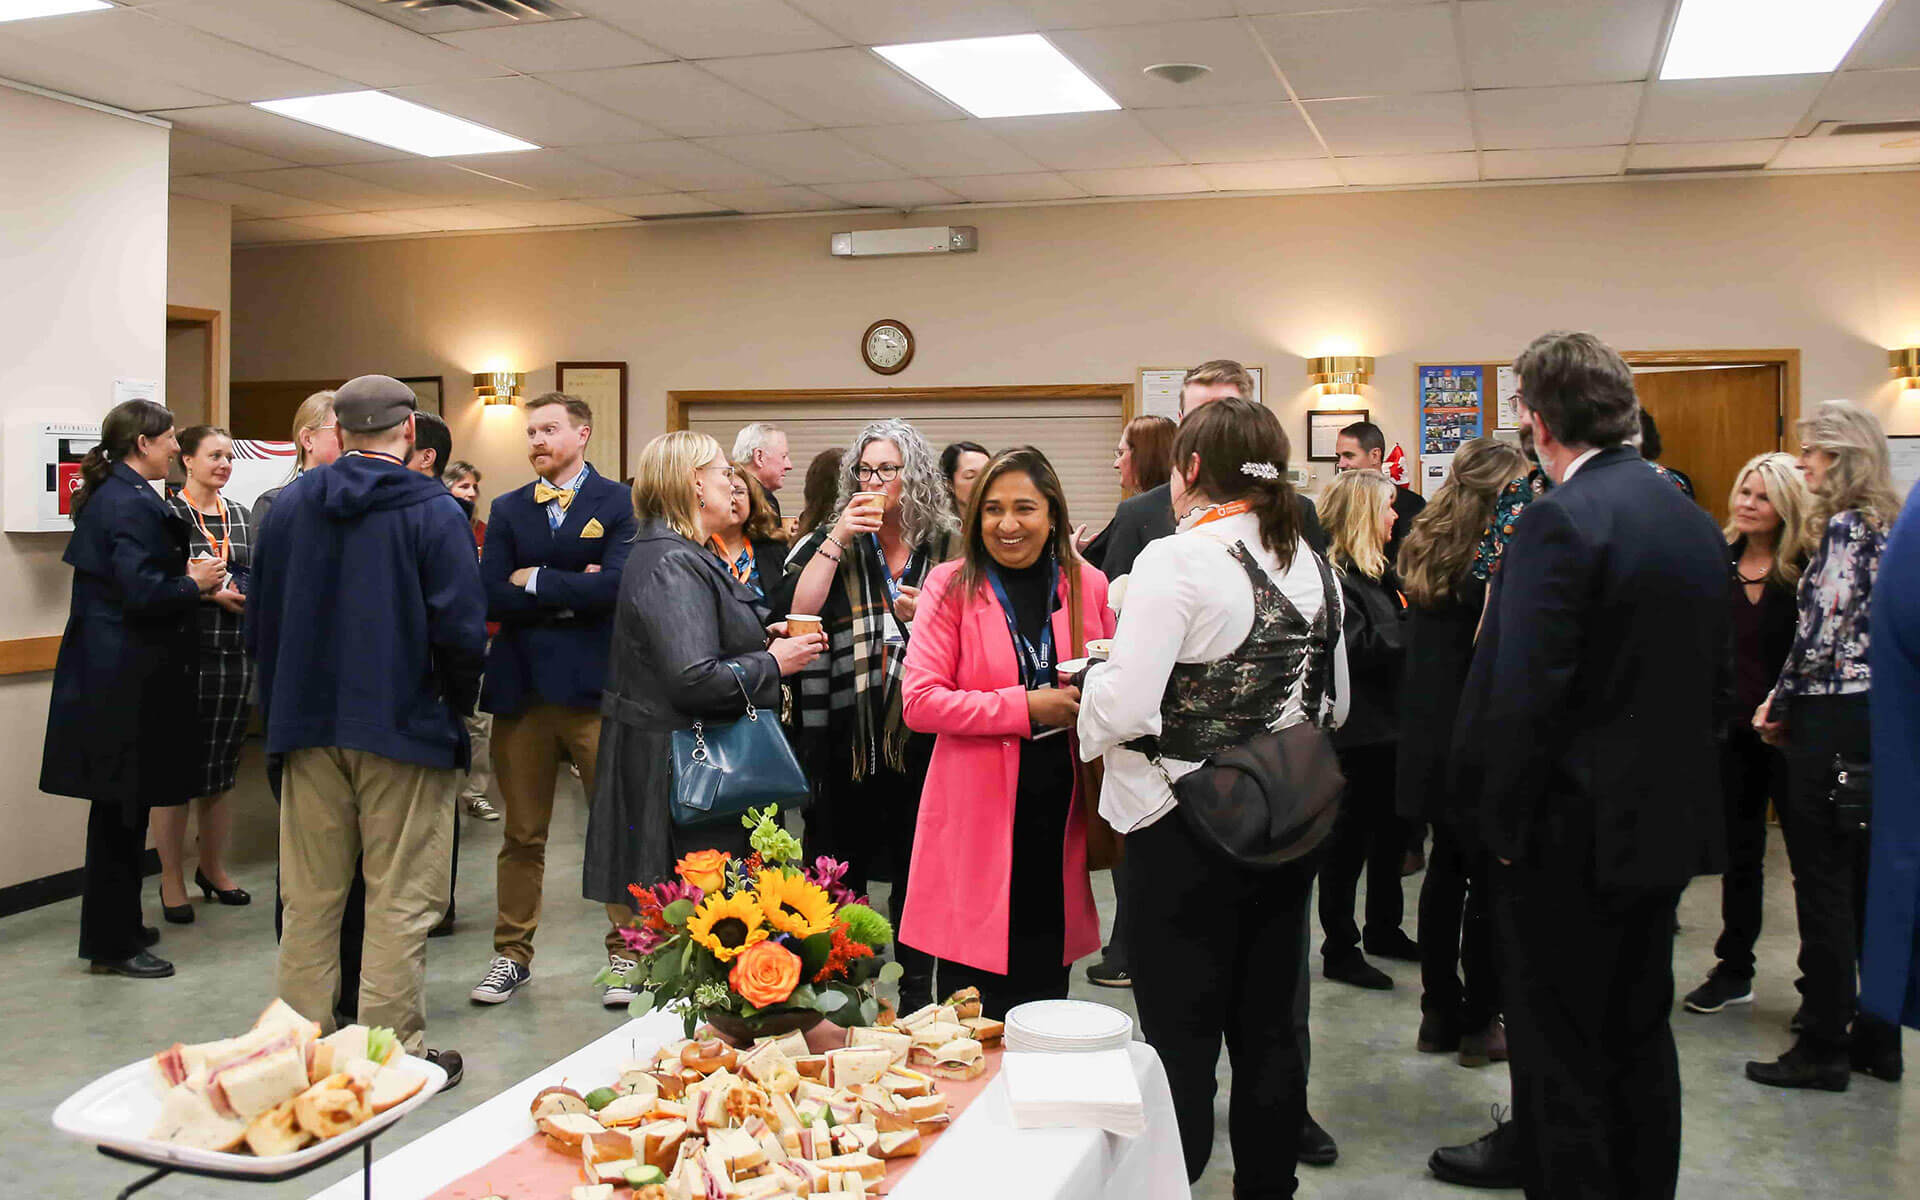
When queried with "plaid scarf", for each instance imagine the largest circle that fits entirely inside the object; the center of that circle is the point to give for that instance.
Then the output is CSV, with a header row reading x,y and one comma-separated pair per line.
x,y
856,672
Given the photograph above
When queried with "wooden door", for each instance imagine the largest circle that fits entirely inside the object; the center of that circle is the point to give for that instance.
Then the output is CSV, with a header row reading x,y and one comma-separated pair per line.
x,y
1711,422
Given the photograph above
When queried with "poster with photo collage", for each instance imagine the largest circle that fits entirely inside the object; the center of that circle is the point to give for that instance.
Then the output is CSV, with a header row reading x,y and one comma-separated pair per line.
x,y
1451,403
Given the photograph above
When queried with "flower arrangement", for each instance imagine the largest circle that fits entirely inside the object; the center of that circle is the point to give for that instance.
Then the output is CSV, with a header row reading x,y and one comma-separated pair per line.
x,y
749,944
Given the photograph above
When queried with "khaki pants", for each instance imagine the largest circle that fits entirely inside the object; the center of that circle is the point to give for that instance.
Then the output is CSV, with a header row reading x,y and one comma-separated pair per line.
x,y
337,805
526,755
480,774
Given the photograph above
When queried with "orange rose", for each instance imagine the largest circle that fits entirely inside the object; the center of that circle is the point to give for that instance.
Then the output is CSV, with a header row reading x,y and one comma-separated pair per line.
x,y
704,869
765,974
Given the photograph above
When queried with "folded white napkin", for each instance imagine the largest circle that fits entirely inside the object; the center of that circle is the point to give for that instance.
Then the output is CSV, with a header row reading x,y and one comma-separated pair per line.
x,y
1095,1090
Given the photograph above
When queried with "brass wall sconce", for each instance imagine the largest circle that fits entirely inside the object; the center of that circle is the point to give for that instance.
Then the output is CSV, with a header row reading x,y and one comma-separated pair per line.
x,y
1343,374
499,387
1905,365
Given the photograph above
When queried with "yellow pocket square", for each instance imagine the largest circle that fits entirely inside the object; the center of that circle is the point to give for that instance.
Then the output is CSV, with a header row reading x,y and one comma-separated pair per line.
x,y
593,529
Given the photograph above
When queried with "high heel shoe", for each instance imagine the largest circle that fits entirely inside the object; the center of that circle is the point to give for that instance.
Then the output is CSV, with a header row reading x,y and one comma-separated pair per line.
x,y
231,897
176,915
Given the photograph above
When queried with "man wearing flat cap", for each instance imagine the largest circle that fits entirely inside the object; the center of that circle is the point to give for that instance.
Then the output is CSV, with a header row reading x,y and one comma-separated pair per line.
x,y
368,624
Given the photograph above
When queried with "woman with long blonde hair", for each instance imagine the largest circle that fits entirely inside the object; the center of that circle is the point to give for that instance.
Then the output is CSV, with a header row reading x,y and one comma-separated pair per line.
x,y
1818,710
1357,512
1445,578
1767,546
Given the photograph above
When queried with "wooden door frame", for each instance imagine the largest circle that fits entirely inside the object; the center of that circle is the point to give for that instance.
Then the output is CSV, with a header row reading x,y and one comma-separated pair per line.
x,y
678,401
1787,359
210,317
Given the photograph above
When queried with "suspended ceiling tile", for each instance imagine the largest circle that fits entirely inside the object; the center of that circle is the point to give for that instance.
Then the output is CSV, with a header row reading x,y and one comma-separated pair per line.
x,y
255,200
191,154
1244,133
360,225
964,147
1871,96
556,46
848,86
1547,43
558,212
1564,162
1141,181
679,98
1366,52
1115,58
808,156
1684,155
531,110
1699,110
1093,14
263,232
269,133
902,194
559,173
95,79
714,28
1596,114
331,37
1425,124
437,179
1894,42
660,204
1394,170
1011,189
1085,141
771,200
326,187
884,22
134,40
1848,150
1271,176
678,166
462,216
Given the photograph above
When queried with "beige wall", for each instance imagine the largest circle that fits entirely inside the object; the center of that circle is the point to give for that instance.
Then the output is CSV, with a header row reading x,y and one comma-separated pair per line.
x,y
199,274
1090,293
83,231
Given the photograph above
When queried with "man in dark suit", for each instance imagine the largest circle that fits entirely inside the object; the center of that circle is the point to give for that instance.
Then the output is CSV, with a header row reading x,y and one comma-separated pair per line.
x,y
1587,729
1362,446
552,572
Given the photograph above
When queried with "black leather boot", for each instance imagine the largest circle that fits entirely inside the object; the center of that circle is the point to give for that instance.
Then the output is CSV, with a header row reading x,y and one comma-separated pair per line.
x,y
1807,1065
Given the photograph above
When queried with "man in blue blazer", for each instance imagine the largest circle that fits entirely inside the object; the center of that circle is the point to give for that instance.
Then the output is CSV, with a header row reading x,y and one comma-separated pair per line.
x,y
552,572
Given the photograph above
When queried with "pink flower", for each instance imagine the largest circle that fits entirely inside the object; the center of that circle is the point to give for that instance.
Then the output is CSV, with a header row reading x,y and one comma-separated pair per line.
x,y
666,893
643,941
827,873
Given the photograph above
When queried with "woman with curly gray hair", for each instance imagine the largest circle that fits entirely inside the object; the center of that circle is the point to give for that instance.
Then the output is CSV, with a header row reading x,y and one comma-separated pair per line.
x,y
860,572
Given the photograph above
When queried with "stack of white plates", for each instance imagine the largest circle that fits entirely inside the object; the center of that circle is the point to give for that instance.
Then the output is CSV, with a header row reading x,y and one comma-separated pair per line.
x,y
1066,1027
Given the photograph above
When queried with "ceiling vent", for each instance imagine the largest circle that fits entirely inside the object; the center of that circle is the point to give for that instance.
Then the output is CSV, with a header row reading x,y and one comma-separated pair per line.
x,y
1713,170
448,16
1888,129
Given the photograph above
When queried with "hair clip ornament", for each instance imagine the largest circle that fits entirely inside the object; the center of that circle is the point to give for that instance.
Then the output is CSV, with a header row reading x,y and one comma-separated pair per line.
x,y
1261,470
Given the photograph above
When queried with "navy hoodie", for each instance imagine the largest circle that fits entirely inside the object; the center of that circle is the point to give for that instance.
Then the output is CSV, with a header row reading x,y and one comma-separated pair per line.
x,y
366,619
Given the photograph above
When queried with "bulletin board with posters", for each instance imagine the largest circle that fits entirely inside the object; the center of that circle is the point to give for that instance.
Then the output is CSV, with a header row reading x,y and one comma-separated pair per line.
x,y
1452,402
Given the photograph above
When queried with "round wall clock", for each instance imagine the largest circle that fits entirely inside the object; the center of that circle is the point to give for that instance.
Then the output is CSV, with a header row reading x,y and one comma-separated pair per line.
x,y
887,346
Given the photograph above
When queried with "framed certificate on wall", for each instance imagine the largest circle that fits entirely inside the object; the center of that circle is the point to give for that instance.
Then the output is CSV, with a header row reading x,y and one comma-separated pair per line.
x,y
1323,431
603,385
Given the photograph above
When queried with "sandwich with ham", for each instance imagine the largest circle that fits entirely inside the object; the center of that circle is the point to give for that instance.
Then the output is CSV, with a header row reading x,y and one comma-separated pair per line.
x,y
961,1058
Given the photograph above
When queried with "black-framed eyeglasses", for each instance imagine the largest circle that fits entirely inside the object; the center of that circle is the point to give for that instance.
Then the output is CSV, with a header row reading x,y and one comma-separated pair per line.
x,y
884,473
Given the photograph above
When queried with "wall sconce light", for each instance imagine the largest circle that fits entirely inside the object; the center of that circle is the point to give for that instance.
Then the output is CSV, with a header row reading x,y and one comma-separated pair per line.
x,y
499,387
1342,374
1905,365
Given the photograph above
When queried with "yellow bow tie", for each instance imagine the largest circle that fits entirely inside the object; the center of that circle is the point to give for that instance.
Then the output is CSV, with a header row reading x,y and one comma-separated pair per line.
x,y
546,493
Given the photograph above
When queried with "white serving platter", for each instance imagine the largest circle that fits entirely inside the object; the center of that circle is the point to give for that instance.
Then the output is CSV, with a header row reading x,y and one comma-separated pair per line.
x,y
119,1109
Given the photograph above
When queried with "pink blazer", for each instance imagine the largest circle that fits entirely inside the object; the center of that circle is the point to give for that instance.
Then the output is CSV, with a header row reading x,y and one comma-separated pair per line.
x,y
963,683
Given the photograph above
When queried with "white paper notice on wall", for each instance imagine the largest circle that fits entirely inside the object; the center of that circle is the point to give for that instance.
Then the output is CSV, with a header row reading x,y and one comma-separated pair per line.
x,y
137,389
1160,392
1506,392
1433,473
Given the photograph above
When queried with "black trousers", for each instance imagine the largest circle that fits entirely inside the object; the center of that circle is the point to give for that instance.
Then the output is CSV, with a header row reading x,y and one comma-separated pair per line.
x,y
1115,952
1751,773
1219,951
1829,867
110,924
1368,834
1456,933
1589,993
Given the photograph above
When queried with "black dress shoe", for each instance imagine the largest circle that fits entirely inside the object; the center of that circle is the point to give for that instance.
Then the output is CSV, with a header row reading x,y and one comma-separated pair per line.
x,y
1394,944
1438,1035
1492,1162
1804,1066
1876,1049
149,935
444,928
140,966
231,897
450,1062
176,914
1317,1147
1357,971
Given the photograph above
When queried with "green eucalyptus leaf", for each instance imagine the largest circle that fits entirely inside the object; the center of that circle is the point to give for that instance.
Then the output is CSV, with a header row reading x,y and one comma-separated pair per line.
x,y
813,954
830,1001
641,1005
891,972
677,913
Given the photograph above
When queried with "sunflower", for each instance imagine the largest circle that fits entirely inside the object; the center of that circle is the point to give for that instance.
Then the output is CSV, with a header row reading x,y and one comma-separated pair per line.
x,y
794,905
727,925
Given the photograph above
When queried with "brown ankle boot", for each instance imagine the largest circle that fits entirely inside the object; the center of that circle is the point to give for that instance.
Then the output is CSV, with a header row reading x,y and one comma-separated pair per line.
x,y
1489,1045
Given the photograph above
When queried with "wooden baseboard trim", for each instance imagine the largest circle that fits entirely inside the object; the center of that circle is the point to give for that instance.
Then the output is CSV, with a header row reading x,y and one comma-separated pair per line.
x,y
23,656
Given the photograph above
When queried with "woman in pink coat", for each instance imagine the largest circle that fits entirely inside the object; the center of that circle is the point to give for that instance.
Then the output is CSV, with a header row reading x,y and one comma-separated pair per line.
x,y
998,891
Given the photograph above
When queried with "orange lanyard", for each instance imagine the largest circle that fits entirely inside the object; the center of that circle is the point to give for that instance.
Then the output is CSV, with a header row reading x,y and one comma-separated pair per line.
x,y
224,546
1221,512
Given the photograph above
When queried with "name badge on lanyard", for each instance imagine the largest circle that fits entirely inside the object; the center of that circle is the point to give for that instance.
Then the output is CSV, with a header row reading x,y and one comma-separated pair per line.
x,y
895,635
1036,662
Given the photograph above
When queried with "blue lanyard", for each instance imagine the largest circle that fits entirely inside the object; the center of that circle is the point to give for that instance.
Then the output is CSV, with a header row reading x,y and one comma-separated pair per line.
x,y
893,581
1036,662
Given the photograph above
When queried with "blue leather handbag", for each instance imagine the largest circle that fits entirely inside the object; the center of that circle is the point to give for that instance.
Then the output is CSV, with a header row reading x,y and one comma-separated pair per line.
x,y
719,772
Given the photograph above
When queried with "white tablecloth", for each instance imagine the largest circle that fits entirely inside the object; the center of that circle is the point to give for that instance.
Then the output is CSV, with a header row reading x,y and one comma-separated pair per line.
x,y
1041,1164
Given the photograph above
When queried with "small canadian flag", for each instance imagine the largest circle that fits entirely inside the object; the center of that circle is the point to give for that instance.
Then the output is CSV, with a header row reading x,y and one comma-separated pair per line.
x,y
1396,465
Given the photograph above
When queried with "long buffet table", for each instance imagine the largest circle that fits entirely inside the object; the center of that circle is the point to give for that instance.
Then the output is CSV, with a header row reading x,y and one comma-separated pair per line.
x,y
981,1154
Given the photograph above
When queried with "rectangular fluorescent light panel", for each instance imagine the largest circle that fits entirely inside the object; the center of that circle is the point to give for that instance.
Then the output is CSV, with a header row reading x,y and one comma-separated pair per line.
x,y
1018,76
390,121
20,10
1724,39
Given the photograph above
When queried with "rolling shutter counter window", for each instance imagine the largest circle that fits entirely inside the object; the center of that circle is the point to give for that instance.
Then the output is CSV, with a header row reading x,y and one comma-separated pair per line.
x,y
1077,436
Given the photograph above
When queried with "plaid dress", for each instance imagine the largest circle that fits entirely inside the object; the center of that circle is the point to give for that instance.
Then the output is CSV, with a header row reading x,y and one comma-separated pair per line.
x,y
225,675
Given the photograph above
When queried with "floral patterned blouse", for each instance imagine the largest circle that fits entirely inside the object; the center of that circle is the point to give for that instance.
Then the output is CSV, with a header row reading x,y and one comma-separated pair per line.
x,y
1829,655
1513,501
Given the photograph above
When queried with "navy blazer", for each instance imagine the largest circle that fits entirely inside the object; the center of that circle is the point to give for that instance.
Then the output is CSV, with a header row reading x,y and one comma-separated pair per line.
x,y
120,722
552,647
1589,714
